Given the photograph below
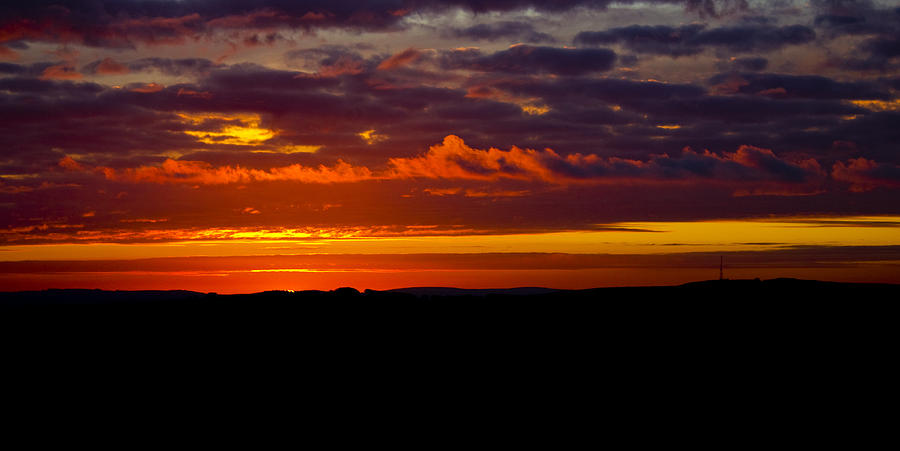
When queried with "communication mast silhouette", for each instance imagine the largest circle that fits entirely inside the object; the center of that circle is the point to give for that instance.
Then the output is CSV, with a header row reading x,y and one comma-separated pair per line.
x,y
721,267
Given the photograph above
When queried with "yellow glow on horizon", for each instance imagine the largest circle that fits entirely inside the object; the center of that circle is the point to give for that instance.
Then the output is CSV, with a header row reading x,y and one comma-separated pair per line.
x,y
832,231
669,127
621,238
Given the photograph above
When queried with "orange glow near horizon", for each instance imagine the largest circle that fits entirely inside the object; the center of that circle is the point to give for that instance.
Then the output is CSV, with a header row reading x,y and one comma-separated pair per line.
x,y
299,279
639,253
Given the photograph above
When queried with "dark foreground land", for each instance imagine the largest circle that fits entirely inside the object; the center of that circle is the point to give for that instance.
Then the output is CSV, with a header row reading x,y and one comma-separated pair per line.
x,y
724,292
732,297
790,317
731,343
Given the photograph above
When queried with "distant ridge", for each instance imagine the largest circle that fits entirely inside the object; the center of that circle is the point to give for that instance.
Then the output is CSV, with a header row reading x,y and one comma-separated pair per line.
x,y
710,314
721,290
451,291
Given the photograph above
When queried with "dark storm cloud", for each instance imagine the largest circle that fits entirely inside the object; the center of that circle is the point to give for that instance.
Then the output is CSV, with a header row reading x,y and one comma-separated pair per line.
x,y
750,38
658,39
811,121
693,39
681,102
30,70
173,67
123,24
609,90
526,59
15,69
874,135
248,77
800,86
713,8
879,26
523,31
876,54
865,64
49,89
746,64
892,82
744,109
884,47
330,60
840,25
853,17
477,110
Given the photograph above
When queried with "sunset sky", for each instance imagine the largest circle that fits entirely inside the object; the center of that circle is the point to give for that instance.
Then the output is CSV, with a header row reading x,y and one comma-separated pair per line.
x,y
242,146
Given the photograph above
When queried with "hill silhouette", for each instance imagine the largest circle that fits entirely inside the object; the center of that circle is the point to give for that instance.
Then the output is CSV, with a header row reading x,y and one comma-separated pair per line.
x,y
780,323
792,291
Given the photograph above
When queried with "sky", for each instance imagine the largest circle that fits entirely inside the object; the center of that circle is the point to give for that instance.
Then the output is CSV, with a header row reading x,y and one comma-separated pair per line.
x,y
240,146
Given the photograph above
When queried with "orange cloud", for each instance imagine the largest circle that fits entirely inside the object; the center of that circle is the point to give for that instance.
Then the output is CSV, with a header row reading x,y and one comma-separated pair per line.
x,y
482,92
750,170
401,59
8,54
503,193
765,159
769,174
343,65
61,72
191,93
453,159
144,220
442,191
198,172
774,92
865,175
14,189
110,66
69,163
474,193
148,88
